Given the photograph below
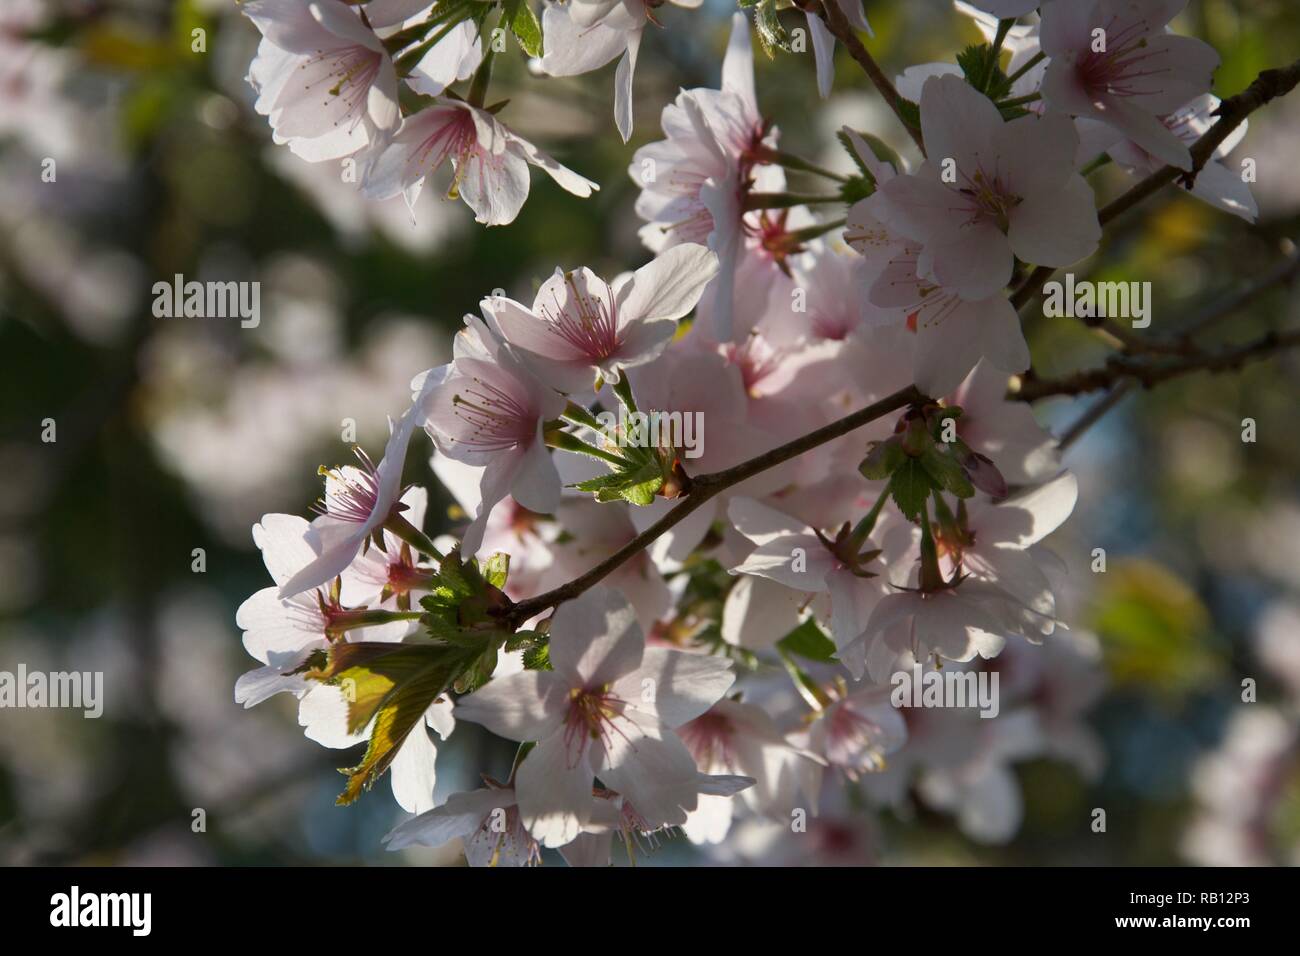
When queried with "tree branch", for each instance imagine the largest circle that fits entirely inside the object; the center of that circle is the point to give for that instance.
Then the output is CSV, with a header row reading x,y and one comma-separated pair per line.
x,y
1225,306
1121,367
702,489
843,31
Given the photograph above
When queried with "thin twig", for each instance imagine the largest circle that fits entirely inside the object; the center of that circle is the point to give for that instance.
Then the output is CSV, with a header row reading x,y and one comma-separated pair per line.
x,y
843,31
1225,306
1147,374
703,488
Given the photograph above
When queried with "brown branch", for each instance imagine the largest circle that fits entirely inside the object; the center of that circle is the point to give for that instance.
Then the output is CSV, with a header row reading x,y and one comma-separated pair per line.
x,y
1119,368
702,489
1226,305
842,30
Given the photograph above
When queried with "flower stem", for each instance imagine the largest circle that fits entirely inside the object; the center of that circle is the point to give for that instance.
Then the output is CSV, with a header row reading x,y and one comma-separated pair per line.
x,y
1004,27
623,389
862,530
808,689
1032,62
790,161
403,530
566,441
575,413
784,200
1022,100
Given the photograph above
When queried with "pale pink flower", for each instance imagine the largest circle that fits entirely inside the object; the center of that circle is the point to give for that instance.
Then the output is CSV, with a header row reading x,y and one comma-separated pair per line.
x,y
281,632
580,325
1143,73
739,738
952,333
1216,183
800,558
857,731
584,35
486,820
693,183
489,160
596,531
322,77
990,191
357,502
490,411
999,539
823,41
606,710
1006,9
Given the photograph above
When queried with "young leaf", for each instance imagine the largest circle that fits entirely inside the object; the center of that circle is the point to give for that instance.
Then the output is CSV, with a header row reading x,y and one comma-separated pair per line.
x,y
393,685
947,473
910,486
525,26
810,642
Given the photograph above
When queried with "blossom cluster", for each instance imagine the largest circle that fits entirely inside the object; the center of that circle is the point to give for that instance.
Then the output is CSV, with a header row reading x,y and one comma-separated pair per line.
x,y
681,624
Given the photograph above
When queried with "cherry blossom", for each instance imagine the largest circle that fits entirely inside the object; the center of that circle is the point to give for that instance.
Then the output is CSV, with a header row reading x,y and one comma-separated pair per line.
x,y
606,709
581,326
1216,183
489,162
1115,61
323,78
489,409
356,503
692,183
991,191
584,35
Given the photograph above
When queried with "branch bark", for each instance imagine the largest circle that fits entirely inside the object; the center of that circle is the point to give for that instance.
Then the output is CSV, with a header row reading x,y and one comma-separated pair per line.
x,y
1121,367
843,31
702,489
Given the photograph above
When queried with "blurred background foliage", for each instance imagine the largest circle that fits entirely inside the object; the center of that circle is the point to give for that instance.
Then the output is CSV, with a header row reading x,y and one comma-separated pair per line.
x,y
177,434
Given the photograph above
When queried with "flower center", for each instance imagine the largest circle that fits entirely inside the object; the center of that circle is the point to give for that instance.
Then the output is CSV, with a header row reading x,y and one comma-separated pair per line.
x,y
587,322
1123,67
590,717
352,495
351,72
989,199
496,420
709,738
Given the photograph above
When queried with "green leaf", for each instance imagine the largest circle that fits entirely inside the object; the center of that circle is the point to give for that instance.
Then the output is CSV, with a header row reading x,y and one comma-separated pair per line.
x,y
911,485
393,685
538,657
525,26
771,34
810,642
637,485
910,113
882,460
521,640
497,569
980,65
947,473
479,672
